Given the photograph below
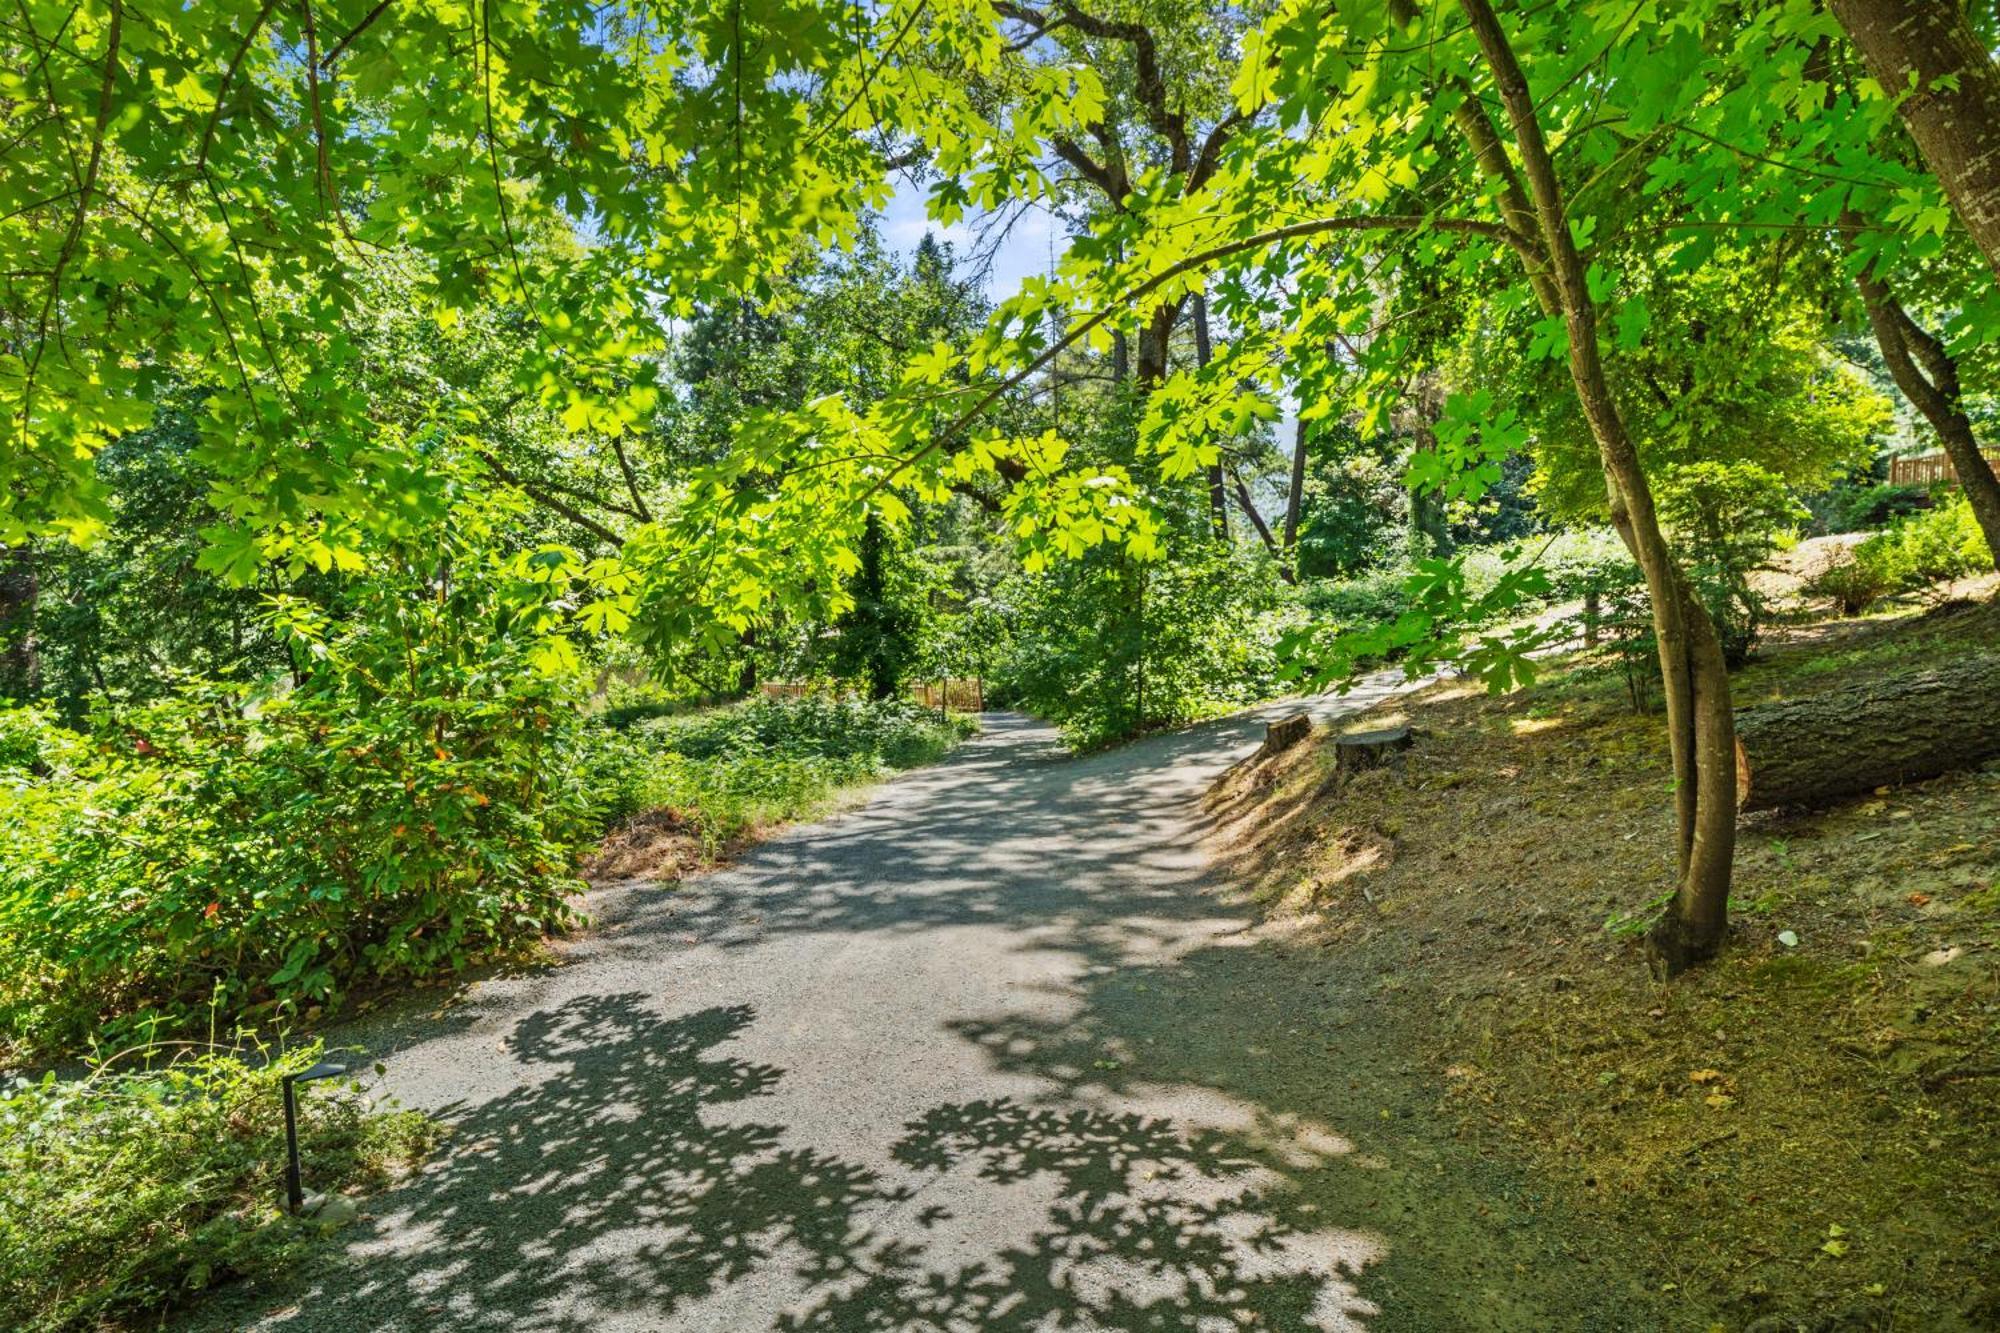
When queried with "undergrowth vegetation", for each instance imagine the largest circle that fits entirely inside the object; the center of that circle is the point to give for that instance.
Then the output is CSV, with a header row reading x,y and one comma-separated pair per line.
x,y
125,1193
718,774
1914,552
258,855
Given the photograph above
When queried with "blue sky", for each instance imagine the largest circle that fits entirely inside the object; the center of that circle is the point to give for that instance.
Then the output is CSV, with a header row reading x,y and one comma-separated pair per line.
x,y
1024,252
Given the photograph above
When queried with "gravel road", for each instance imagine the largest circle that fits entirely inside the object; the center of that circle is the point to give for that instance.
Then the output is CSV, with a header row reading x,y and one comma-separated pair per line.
x,y
990,1052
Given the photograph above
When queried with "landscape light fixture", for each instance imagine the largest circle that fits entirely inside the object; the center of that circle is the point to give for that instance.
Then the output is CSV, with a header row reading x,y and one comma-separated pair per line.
x,y
295,1195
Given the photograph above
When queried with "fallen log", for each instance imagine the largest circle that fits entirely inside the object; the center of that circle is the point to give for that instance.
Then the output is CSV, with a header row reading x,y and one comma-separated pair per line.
x,y
1285,733
1900,728
1356,751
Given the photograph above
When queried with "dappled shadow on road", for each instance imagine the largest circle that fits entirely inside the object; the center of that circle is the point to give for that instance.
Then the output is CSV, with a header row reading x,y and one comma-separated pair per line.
x,y
603,1175
1008,830
615,1191
985,1055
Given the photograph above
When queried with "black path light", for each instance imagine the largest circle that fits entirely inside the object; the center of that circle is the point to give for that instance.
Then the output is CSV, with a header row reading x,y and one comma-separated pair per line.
x,y
294,1193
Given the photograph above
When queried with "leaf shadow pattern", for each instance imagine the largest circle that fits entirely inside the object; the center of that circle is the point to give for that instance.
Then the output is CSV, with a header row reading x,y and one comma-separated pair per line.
x,y
1152,1228
603,1186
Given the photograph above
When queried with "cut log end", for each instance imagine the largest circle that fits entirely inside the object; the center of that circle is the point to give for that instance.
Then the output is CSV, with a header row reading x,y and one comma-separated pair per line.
x,y
1284,733
1356,751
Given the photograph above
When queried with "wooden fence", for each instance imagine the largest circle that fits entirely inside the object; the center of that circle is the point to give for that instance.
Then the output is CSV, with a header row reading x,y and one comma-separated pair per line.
x,y
1928,470
967,696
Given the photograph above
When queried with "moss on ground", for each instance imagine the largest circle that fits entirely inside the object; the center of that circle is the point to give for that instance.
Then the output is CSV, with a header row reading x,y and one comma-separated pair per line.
x,y
1800,1135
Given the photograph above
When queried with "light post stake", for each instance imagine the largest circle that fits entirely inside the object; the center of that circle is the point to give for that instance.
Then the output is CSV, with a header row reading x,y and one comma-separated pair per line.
x,y
295,1195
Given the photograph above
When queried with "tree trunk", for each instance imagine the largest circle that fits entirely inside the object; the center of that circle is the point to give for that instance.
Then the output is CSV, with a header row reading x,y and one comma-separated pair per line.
x,y
1700,726
1218,492
1934,391
1249,508
1358,751
1953,112
20,589
1295,498
1901,728
1153,344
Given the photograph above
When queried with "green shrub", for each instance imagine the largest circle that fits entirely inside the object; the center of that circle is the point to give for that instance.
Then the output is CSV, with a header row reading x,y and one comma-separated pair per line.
x,y
122,1194
1108,646
727,770
1727,519
1911,554
1860,506
413,802
897,732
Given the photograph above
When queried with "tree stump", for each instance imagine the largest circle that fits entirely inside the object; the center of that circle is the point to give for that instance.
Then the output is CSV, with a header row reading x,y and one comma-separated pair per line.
x,y
1283,734
1900,728
1358,751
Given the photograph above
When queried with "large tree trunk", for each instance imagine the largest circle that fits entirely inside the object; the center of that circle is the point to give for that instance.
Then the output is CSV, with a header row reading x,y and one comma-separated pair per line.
x,y
1218,491
1934,391
1901,728
1954,110
1700,727
20,589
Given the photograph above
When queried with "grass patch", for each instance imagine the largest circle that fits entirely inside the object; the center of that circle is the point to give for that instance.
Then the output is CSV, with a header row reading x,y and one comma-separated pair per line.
x,y
124,1194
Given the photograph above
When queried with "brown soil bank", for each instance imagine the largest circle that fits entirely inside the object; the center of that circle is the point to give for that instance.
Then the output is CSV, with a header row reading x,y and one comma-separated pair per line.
x,y
1802,1135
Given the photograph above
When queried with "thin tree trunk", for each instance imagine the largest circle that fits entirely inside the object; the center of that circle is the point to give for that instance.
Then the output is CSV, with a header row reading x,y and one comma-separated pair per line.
x,y
1700,725
1218,492
1249,507
1933,390
20,590
1295,497
1928,50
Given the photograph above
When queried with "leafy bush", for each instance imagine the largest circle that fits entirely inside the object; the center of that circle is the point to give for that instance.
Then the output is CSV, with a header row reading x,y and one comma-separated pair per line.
x,y
897,732
1570,559
1857,506
1852,583
1108,646
1728,518
125,1193
1910,555
727,770
414,801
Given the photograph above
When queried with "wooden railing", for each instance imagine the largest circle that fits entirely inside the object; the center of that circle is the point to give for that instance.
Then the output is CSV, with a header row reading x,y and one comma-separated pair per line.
x,y
1928,470
967,696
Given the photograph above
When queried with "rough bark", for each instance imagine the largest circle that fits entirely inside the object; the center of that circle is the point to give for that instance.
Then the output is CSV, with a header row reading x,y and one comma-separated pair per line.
x,y
1283,734
1154,340
1926,52
1933,389
1900,728
1700,724
20,589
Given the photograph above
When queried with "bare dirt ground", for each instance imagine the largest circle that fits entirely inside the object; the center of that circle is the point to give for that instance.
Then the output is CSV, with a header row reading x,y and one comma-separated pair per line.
x,y
1799,1136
